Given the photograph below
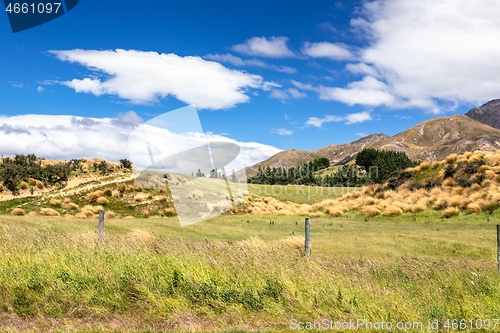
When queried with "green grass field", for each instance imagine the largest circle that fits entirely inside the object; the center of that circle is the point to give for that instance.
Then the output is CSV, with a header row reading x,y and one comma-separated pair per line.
x,y
243,272
298,193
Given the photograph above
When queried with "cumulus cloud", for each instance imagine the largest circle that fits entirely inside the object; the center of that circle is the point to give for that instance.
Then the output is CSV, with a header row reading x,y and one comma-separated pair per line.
x,y
369,91
145,77
40,89
327,50
273,47
66,137
237,61
349,119
282,131
427,53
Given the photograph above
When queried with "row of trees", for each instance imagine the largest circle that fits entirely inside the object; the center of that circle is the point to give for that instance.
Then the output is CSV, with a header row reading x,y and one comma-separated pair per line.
x,y
372,166
381,164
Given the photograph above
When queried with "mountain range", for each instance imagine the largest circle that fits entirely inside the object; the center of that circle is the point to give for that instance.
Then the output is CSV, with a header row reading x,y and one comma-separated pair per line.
x,y
433,139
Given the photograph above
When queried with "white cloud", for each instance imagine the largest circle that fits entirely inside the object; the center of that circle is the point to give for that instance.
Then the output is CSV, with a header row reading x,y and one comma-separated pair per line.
x,y
274,47
282,131
428,52
361,68
237,61
303,86
361,134
327,50
40,89
279,94
295,93
66,137
146,77
349,119
288,93
369,91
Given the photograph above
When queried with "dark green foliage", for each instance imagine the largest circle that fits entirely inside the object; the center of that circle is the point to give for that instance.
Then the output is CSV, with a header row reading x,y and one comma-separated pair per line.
x,y
399,178
347,175
381,164
462,181
473,167
126,163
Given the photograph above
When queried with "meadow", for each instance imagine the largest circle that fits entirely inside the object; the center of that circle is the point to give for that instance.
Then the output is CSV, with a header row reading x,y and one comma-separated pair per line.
x,y
244,272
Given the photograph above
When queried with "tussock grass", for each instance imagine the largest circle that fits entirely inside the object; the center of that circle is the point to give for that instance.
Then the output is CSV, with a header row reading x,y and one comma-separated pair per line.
x,y
17,211
49,212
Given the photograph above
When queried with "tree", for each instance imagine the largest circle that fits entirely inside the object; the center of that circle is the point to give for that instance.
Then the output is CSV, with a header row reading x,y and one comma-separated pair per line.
x,y
126,163
233,178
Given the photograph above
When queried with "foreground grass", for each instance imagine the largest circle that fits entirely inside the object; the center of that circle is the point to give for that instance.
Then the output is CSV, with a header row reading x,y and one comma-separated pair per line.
x,y
240,272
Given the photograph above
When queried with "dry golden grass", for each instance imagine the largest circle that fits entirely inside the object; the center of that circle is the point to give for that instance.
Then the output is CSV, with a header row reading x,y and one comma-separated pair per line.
x,y
93,196
122,188
196,194
370,211
451,158
32,214
450,211
102,201
162,198
17,211
39,184
49,212
1,187
296,242
70,206
109,215
392,210
67,200
23,185
55,203
32,181
170,211
425,165
107,192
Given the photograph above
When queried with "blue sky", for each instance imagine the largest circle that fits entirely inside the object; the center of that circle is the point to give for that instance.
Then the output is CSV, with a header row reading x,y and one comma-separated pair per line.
x,y
284,74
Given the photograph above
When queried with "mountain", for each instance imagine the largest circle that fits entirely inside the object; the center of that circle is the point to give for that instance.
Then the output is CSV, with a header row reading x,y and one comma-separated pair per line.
x,y
488,113
433,139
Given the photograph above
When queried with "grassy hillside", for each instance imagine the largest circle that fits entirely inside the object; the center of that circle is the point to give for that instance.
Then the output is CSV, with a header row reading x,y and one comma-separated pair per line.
x,y
459,185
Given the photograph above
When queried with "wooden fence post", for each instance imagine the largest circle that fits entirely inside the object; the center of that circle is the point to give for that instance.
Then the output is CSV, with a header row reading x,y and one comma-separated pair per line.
x,y
101,226
498,246
307,245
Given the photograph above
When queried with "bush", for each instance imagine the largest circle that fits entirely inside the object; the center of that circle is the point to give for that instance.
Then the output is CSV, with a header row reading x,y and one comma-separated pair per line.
x,y
23,185
462,181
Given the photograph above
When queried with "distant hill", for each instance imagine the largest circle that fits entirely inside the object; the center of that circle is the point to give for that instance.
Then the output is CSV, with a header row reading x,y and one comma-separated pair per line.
x,y
488,113
432,140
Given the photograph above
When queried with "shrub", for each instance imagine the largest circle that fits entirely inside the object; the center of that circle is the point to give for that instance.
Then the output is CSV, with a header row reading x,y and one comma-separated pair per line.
x,y
170,211
17,211
32,181
23,185
32,213
1,187
107,192
39,184
462,181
